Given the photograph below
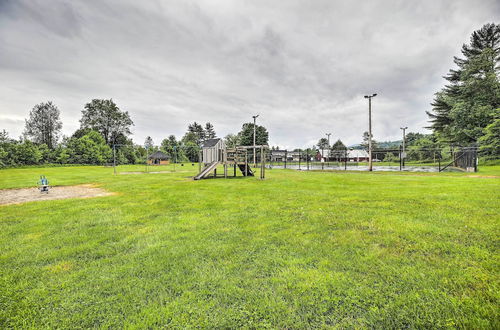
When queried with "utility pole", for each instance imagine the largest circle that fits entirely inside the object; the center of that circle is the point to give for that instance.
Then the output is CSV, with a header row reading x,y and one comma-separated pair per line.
x,y
254,120
403,155
369,97
328,135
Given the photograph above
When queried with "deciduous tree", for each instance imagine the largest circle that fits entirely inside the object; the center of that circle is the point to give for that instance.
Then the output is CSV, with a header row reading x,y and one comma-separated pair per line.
x,y
105,117
43,125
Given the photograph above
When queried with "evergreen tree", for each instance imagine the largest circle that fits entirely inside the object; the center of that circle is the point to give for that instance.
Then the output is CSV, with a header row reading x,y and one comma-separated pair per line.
x,y
490,141
338,145
43,125
148,143
198,131
169,145
464,107
245,136
209,131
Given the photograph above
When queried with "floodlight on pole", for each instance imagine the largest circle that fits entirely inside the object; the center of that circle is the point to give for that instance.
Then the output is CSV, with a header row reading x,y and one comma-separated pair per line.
x,y
254,125
369,97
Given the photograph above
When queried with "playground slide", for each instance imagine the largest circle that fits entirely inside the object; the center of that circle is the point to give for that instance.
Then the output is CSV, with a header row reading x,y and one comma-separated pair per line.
x,y
248,172
204,172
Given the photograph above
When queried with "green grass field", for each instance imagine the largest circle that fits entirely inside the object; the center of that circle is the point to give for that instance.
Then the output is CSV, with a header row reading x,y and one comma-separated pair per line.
x,y
297,250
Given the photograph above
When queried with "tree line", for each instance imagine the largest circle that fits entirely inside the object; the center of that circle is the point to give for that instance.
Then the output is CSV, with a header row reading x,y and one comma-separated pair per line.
x,y
104,137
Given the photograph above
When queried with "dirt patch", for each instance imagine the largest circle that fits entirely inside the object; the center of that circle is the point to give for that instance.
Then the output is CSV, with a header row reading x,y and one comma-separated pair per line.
x,y
18,196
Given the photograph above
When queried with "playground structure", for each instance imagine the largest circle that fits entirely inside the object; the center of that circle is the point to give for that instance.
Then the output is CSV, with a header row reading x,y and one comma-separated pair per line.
x,y
215,153
43,184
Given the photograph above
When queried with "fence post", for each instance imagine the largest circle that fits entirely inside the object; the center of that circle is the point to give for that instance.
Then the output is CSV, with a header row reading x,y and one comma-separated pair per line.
x,y
345,159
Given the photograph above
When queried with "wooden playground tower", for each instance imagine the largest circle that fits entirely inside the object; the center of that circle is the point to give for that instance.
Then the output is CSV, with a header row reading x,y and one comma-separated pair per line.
x,y
214,153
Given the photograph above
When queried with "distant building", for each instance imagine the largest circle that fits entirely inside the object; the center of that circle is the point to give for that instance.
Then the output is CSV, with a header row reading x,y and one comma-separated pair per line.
x,y
289,156
353,155
278,155
357,155
325,154
159,158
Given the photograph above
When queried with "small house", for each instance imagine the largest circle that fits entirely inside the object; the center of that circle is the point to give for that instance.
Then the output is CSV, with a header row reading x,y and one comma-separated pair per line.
x,y
158,158
213,150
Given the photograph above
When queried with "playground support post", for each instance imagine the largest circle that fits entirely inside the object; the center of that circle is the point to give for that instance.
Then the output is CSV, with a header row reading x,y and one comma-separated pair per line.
x,y
254,123
199,161
246,162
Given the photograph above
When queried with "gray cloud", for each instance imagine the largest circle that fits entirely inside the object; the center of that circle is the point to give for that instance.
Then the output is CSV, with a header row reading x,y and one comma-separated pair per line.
x,y
304,66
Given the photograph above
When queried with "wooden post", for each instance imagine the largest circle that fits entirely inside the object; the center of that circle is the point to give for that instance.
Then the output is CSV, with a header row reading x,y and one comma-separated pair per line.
x,y
224,158
199,161
246,162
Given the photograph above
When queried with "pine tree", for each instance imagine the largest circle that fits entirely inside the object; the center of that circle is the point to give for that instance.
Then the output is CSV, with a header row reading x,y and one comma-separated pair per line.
x,y
466,105
148,143
209,131
338,145
198,131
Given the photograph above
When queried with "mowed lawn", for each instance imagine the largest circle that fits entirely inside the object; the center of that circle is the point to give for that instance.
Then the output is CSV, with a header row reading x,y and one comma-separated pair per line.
x,y
297,250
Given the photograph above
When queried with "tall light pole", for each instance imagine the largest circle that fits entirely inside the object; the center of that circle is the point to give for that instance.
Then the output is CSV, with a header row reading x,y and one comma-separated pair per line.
x,y
328,135
403,156
254,120
369,97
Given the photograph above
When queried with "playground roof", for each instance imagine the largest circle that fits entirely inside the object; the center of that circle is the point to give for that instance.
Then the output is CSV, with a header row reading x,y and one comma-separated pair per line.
x,y
210,143
159,155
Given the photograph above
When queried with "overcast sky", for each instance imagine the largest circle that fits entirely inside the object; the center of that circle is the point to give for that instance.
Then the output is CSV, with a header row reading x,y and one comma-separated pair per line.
x,y
304,66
